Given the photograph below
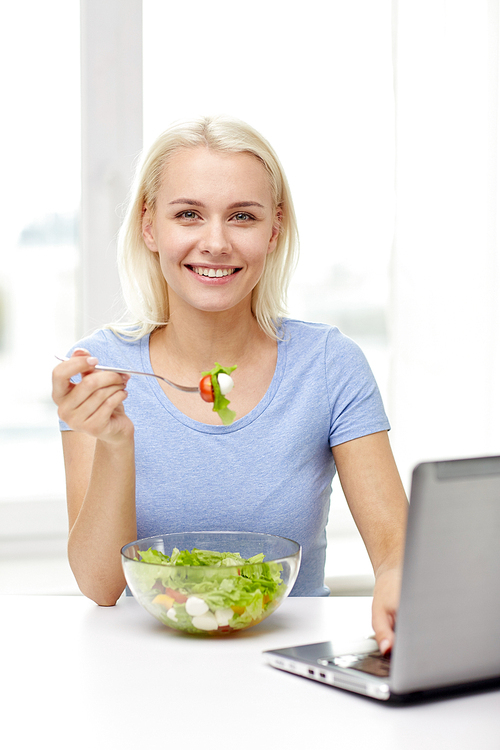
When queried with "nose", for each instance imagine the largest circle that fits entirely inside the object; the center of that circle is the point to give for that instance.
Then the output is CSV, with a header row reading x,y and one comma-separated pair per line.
x,y
215,240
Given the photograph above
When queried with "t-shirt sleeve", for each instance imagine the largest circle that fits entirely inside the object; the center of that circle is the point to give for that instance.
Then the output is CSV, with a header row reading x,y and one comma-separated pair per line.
x,y
355,401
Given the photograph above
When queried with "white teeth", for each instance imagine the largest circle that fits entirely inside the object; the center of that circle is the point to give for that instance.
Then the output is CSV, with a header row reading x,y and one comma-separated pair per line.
x,y
211,272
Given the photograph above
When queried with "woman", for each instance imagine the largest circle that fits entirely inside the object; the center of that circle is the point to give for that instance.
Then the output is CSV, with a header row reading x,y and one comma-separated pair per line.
x,y
205,253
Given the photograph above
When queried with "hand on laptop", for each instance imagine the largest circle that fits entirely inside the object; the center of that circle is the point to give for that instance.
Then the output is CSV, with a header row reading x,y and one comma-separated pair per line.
x,y
385,606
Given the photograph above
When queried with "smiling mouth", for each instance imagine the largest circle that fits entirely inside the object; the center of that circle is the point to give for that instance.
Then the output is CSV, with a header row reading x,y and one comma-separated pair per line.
x,y
213,273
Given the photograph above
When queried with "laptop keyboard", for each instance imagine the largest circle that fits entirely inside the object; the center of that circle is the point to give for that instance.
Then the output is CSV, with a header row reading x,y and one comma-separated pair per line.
x,y
374,663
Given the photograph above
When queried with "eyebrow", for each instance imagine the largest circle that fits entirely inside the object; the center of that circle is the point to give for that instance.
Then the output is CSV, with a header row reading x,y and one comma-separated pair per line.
x,y
238,204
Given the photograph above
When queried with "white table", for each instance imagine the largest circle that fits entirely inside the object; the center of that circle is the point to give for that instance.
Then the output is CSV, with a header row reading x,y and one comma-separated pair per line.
x,y
77,675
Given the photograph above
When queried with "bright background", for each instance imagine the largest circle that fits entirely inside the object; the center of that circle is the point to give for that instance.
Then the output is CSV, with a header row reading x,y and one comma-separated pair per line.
x,y
392,159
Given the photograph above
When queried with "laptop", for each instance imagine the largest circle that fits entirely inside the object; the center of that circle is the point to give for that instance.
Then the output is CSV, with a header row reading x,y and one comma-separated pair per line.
x,y
448,624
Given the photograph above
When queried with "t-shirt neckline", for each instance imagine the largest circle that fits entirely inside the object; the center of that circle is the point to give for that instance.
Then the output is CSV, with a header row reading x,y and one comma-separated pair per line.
x,y
193,424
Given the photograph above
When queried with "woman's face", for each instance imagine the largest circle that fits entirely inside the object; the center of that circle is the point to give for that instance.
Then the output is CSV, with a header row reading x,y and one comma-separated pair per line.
x,y
215,223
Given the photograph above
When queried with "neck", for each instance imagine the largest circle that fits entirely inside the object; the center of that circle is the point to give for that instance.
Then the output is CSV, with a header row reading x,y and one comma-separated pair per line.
x,y
194,339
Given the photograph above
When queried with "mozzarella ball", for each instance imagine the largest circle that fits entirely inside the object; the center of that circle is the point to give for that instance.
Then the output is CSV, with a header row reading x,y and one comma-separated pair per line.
x,y
226,383
196,606
223,616
205,622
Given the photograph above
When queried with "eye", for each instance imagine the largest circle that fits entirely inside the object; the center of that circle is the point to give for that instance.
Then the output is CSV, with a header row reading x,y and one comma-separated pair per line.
x,y
242,217
188,215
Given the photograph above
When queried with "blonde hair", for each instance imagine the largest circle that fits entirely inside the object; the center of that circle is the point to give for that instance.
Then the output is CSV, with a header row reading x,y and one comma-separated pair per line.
x,y
144,288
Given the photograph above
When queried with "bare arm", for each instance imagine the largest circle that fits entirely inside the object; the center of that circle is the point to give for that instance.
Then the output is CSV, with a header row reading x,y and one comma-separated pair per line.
x,y
100,476
100,483
377,500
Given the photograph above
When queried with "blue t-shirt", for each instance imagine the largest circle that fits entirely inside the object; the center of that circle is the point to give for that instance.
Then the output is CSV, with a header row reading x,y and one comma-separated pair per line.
x,y
270,471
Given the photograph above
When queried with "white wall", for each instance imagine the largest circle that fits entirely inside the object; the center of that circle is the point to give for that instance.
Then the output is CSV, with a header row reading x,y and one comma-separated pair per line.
x,y
445,316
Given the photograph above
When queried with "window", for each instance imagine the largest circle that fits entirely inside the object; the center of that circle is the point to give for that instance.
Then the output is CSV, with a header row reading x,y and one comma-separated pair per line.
x,y
39,52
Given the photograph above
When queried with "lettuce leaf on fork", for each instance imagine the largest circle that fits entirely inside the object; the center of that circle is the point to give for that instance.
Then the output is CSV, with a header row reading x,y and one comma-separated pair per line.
x,y
221,402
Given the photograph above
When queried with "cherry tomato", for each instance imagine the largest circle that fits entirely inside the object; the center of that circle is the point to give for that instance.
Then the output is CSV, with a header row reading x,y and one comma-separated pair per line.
x,y
206,390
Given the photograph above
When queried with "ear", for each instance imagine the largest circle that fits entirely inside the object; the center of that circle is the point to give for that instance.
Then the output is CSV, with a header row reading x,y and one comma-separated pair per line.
x,y
147,230
277,224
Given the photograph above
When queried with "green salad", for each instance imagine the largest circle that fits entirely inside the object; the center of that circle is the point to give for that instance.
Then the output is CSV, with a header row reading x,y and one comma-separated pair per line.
x,y
201,591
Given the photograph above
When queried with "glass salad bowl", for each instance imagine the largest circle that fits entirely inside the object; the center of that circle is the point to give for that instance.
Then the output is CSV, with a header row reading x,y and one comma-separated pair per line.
x,y
211,582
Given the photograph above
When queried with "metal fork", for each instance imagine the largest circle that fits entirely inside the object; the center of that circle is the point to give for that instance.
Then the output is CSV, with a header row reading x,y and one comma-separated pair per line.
x,y
121,370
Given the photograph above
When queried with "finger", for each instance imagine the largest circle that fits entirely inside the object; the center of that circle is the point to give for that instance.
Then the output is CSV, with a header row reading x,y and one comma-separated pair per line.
x,y
90,360
95,400
100,422
64,372
383,627
94,414
84,399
